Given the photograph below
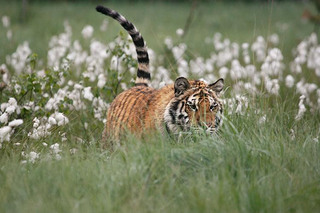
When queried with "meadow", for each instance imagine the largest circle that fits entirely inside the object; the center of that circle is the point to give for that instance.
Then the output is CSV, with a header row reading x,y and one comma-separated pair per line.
x,y
62,65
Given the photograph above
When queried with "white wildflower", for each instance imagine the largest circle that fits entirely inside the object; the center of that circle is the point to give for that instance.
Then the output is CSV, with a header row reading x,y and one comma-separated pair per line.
x,y
6,21
4,118
9,34
87,94
123,86
183,67
302,108
32,157
292,134
318,94
273,86
245,46
162,84
237,71
168,42
317,71
100,108
5,133
102,80
246,58
180,32
78,86
63,137
114,63
311,87
18,60
73,151
10,107
59,46
16,122
60,118
17,88
282,26
36,122
223,72
104,25
259,47
262,119
274,39
55,150
87,31
313,39
179,50
289,81
52,121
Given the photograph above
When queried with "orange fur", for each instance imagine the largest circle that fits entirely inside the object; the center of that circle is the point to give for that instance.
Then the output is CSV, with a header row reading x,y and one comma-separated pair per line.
x,y
141,110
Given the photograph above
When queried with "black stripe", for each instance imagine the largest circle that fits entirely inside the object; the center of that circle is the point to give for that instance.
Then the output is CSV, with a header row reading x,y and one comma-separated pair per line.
x,y
167,128
115,15
172,114
182,107
143,54
141,84
139,52
174,105
180,116
135,35
103,10
144,60
138,42
143,74
127,25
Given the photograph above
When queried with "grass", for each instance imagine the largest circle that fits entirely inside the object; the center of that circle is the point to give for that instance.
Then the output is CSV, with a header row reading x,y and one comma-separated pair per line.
x,y
249,167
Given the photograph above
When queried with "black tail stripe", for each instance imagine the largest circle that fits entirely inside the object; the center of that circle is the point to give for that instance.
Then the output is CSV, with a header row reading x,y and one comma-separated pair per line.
x,y
139,52
144,60
138,42
143,74
104,10
127,25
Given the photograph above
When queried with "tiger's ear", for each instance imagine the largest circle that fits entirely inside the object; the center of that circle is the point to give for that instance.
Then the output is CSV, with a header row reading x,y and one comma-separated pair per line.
x,y
180,85
217,86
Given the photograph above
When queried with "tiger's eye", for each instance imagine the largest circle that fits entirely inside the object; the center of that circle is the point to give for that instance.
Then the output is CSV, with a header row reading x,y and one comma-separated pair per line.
x,y
214,105
192,106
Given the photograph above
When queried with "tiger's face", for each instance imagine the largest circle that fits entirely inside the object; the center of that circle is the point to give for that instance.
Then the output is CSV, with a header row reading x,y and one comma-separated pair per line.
x,y
196,106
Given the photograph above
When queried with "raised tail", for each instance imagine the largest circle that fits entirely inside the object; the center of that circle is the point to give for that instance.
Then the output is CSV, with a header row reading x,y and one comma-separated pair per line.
x,y
143,74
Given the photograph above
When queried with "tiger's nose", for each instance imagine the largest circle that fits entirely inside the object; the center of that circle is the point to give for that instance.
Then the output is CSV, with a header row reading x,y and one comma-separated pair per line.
x,y
209,124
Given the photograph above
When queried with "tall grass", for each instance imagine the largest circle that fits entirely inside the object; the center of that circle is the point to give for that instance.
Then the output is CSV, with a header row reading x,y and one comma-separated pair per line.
x,y
248,167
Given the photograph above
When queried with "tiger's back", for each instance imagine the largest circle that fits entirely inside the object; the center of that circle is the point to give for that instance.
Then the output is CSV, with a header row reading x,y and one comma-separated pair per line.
x,y
128,110
137,110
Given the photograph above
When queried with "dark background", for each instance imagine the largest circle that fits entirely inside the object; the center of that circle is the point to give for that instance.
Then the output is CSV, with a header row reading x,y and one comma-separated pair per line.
x,y
132,1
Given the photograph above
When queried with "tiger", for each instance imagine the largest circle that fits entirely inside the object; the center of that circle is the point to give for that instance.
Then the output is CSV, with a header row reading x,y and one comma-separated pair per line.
x,y
174,108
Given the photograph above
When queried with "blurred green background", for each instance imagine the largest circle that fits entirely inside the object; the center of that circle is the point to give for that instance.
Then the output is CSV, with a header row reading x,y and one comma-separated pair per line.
x,y
37,21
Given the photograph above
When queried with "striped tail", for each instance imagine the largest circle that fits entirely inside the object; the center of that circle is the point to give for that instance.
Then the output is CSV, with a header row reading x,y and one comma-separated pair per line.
x,y
143,74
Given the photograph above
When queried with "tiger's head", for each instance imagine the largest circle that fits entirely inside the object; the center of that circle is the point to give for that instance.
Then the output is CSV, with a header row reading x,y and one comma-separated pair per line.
x,y
196,105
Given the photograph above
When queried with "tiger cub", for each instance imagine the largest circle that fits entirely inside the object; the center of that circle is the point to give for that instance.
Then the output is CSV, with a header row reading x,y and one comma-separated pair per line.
x,y
181,106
